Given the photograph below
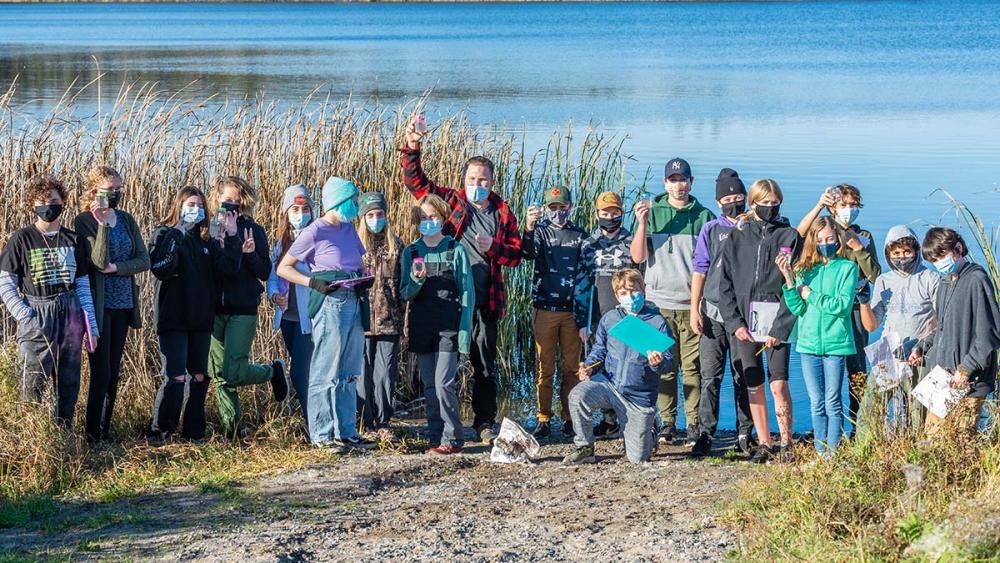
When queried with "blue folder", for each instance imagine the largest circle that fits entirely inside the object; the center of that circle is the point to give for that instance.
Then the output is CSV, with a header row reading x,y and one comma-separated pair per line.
x,y
639,336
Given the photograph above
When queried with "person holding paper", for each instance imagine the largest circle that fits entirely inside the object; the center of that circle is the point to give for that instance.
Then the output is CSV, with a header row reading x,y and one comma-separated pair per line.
x,y
967,336
616,376
749,287
820,292
44,285
843,203
291,300
113,242
385,315
331,248
437,282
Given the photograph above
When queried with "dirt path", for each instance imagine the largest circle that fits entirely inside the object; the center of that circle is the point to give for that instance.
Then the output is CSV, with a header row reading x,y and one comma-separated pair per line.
x,y
415,507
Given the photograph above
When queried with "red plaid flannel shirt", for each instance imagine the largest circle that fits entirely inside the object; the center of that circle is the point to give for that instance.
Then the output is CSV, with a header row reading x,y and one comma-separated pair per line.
x,y
506,248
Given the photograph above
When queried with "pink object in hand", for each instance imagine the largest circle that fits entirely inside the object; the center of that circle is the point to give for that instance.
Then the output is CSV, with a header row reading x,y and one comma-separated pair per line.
x,y
418,264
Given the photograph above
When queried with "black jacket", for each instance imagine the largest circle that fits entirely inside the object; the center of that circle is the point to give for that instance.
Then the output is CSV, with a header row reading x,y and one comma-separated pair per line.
x,y
556,252
748,273
240,292
187,269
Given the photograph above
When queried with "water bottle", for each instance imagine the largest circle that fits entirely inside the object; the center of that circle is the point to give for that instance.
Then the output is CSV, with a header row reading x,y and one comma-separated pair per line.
x,y
420,124
418,265
785,251
218,223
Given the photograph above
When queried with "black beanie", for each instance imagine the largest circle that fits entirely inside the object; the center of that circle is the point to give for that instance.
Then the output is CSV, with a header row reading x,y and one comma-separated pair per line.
x,y
728,183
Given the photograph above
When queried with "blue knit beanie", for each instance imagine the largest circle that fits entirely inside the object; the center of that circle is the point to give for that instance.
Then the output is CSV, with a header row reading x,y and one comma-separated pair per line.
x,y
337,190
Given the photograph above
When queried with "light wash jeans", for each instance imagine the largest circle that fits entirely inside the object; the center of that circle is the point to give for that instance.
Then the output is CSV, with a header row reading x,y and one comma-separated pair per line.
x,y
638,423
824,377
338,360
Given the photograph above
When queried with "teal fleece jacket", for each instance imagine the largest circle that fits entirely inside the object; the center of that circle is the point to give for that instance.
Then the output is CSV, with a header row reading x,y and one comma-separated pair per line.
x,y
824,318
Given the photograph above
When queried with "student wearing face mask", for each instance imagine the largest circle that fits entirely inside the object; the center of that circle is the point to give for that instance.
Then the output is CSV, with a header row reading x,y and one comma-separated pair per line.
x,y
820,292
485,225
966,335
384,322
750,289
618,378
187,268
44,285
555,247
331,249
666,231
707,321
602,254
843,203
437,282
903,298
291,301
112,240
236,316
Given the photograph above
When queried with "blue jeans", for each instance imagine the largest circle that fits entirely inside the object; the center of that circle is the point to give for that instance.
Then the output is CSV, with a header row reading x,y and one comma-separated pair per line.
x,y
824,377
300,348
338,360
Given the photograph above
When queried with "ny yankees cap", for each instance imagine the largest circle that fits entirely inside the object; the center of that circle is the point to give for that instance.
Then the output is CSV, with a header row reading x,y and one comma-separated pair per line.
x,y
677,166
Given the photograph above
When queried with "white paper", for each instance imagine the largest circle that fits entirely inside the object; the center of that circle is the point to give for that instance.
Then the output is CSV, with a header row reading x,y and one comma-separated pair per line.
x,y
887,369
935,392
513,444
762,315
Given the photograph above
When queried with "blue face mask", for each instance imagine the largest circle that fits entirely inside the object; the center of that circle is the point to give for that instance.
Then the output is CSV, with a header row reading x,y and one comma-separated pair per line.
x,y
476,194
298,221
632,302
348,210
946,266
828,250
847,215
192,215
430,227
375,224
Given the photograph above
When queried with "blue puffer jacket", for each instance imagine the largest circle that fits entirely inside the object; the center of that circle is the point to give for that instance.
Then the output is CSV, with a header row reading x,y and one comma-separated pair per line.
x,y
629,371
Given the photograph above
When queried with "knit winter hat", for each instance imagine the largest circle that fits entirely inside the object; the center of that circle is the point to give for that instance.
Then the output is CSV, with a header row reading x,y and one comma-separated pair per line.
x,y
728,183
337,190
296,195
373,200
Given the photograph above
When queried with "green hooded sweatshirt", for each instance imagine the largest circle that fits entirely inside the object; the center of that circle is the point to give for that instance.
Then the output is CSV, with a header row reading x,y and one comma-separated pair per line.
x,y
671,240
824,326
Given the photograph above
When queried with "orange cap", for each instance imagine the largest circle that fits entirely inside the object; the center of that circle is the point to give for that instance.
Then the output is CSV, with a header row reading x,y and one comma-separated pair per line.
x,y
609,199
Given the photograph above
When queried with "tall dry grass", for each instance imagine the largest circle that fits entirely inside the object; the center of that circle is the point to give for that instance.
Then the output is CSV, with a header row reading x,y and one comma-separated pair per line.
x,y
161,140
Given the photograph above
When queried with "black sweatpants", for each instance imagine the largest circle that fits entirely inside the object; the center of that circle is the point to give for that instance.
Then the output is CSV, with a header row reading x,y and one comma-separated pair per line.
x,y
713,348
483,357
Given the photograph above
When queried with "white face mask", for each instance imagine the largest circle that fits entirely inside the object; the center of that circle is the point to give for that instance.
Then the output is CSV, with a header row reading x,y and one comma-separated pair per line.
x,y
847,215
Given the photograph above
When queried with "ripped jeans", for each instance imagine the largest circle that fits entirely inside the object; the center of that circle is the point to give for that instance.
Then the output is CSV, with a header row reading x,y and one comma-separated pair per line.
x,y
338,360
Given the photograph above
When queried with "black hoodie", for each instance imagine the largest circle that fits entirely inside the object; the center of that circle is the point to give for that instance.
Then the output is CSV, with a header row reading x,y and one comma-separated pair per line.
x,y
240,293
748,273
187,269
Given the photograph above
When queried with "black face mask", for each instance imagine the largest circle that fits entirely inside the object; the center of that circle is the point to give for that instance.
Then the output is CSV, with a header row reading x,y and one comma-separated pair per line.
x,y
768,213
231,207
903,264
734,208
113,199
610,225
49,213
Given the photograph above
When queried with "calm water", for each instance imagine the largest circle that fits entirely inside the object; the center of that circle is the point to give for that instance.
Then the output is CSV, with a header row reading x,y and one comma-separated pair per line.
x,y
896,97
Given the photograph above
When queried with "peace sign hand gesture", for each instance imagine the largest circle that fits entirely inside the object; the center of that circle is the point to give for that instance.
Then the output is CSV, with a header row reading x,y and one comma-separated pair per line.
x,y
248,243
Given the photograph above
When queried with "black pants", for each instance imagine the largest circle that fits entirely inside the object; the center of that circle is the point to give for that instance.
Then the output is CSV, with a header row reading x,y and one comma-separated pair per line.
x,y
105,367
183,353
483,356
713,348
750,365
858,363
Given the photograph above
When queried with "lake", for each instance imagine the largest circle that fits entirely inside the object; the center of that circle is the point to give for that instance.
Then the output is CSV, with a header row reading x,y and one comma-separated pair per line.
x,y
898,98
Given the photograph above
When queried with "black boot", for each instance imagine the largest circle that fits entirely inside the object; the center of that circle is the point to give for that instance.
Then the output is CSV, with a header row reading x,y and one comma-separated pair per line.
x,y
168,413
194,411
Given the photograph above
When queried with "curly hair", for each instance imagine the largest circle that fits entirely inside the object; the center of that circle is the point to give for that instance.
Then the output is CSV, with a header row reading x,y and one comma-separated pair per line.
x,y
39,187
96,176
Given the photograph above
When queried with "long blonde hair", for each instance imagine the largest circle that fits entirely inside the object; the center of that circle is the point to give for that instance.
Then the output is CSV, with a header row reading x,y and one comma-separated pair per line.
x,y
370,239
810,254
248,194
759,190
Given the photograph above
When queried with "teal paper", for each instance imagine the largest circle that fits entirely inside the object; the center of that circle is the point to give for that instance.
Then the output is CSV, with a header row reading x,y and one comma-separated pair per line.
x,y
639,336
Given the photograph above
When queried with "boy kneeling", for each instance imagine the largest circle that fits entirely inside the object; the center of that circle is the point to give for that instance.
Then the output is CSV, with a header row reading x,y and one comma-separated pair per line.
x,y
619,378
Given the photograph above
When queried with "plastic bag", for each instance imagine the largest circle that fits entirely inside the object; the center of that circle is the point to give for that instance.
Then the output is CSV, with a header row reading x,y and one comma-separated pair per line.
x,y
513,444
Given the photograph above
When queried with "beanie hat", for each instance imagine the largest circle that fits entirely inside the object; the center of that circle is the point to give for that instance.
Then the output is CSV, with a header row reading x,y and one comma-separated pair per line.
x,y
337,190
372,200
296,195
728,183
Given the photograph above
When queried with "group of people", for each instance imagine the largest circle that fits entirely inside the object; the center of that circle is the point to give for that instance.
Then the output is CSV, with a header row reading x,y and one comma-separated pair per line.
x,y
739,288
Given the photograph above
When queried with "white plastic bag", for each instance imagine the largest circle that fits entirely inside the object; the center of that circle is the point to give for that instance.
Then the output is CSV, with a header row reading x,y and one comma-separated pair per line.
x,y
936,393
514,444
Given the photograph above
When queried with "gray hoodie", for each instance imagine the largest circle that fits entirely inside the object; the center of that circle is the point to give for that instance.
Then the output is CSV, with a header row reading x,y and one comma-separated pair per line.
x,y
904,301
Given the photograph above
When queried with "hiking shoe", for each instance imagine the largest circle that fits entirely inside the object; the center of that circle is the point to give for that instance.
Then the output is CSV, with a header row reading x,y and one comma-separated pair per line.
x,y
762,455
542,430
667,435
445,449
784,454
279,387
746,443
582,455
334,447
702,446
485,434
356,442
692,436
607,430
567,428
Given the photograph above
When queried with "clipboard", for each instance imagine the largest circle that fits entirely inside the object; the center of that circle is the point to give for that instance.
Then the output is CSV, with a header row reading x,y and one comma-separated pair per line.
x,y
351,282
762,315
639,336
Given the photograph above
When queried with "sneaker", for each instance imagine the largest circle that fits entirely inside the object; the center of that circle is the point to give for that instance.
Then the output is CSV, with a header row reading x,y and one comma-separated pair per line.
x,y
334,447
784,454
762,455
667,435
356,442
692,436
485,434
542,430
601,429
609,430
444,449
702,446
279,387
746,443
567,428
580,456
